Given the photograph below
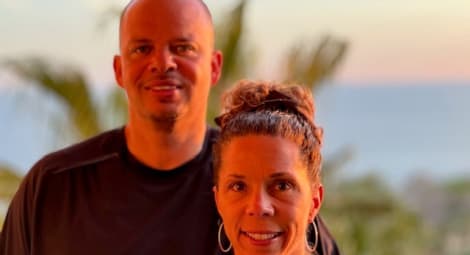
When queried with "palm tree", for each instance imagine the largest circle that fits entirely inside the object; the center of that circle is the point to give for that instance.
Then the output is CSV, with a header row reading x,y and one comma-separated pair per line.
x,y
69,86
306,63
367,218
364,216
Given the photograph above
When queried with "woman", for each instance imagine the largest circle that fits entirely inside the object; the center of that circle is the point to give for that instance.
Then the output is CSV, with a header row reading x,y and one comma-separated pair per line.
x,y
267,169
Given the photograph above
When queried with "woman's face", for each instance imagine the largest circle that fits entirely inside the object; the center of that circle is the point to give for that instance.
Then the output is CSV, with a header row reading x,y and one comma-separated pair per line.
x,y
264,195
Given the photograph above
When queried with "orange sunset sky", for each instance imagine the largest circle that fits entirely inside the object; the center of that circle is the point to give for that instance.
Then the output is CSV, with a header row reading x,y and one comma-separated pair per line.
x,y
400,40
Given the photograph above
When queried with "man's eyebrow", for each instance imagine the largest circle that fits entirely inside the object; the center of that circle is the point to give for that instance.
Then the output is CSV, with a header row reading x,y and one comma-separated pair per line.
x,y
184,39
140,40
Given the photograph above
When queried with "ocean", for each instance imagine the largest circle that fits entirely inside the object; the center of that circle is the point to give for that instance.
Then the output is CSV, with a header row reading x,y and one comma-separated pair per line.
x,y
392,131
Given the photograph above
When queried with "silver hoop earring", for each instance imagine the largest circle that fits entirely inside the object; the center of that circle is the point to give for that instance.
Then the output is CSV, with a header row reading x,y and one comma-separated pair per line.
x,y
312,249
220,240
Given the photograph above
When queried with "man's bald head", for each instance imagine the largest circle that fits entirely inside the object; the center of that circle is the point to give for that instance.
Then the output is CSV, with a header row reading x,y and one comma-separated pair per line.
x,y
132,2
167,62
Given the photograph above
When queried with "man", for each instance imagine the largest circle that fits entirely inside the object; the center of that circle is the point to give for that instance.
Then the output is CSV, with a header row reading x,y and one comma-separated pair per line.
x,y
145,188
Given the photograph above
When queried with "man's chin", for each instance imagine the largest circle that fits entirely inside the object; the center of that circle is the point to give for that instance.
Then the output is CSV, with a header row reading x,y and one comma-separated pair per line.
x,y
167,117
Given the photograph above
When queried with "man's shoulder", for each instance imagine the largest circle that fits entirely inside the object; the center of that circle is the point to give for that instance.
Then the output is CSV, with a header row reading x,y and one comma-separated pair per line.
x,y
95,149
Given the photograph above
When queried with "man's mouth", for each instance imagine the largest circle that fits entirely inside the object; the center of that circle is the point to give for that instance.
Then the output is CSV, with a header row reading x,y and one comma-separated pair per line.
x,y
163,84
166,87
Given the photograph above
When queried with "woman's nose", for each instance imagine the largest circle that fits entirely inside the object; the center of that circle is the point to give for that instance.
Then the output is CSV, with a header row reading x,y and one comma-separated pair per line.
x,y
259,204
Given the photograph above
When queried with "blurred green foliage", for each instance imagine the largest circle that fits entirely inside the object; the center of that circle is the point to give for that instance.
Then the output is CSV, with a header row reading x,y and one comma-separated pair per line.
x,y
9,182
364,215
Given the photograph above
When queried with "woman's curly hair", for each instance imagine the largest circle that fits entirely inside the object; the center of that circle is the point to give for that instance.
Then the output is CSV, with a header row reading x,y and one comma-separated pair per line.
x,y
269,108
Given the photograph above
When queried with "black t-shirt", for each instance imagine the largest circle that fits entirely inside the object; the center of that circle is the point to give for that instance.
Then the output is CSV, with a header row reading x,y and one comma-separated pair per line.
x,y
95,198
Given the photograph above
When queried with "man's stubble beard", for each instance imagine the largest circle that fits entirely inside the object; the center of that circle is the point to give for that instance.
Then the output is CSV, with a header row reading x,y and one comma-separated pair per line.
x,y
165,122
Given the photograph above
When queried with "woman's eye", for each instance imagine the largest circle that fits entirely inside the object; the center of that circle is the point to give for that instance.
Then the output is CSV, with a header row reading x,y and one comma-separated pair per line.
x,y
237,186
283,186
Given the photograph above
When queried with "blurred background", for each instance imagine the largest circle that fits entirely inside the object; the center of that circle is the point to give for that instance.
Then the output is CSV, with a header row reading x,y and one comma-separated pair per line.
x,y
391,81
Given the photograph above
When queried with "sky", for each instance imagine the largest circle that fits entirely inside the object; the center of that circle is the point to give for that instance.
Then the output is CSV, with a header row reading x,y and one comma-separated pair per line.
x,y
389,41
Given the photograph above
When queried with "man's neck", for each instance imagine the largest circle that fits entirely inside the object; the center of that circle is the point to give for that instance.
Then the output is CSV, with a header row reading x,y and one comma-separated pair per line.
x,y
164,149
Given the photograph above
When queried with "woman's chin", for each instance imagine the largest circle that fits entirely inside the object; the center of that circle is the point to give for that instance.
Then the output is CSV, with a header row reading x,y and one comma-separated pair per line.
x,y
261,243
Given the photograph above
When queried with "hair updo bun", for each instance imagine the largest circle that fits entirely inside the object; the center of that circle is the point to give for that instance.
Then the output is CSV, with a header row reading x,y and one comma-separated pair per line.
x,y
269,108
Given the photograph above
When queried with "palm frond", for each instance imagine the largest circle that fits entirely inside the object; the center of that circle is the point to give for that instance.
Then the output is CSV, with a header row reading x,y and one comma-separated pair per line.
x,y
68,84
229,35
9,182
310,64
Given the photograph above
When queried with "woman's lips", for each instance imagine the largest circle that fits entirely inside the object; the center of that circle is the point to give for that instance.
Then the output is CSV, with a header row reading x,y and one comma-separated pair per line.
x,y
261,237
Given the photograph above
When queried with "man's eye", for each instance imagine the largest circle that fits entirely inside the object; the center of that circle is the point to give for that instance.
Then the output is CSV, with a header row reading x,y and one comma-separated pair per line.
x,y
143,49
237,186
182,49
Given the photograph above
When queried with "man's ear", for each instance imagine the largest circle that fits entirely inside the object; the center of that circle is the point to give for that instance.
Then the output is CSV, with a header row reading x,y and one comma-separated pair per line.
x,y
216,66
117,66
317,198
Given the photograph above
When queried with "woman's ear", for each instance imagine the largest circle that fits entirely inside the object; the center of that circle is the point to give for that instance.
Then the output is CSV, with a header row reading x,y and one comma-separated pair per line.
x,y
216,196
317,198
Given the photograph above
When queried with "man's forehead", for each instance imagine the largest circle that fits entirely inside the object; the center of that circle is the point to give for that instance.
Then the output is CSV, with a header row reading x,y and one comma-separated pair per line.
x,y
180,15
132,3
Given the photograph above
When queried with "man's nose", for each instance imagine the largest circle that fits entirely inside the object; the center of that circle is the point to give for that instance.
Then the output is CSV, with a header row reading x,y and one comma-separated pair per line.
x,y
162,61
259,203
